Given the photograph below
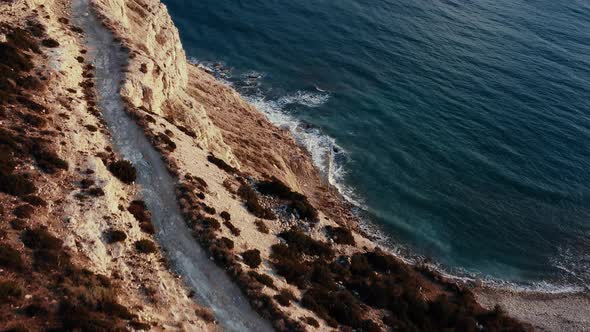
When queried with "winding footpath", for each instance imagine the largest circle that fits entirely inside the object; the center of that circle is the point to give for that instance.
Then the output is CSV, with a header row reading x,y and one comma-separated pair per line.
x,y
212,286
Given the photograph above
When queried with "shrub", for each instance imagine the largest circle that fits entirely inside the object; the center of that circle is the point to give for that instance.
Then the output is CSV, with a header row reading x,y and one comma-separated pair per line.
x,y
262,278
40,239
359,265
33,120
35,309
276,188
10,258
211,223
16,185
114,235
18,224
34,200
261,226
7,162
147,227
253,205
139,210
91,128
47,160
21,39
340,306
50,42
168,143
305,210
205,314
302,242
284,297
10,290
225,216
340,235
226,243
96,192
252,258
145,246
123,170
299,202
233,229
311,321
23,211
86,183
289,265
221,164
208,209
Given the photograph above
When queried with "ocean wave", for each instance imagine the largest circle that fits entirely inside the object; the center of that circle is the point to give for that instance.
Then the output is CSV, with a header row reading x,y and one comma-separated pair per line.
x,y
327,155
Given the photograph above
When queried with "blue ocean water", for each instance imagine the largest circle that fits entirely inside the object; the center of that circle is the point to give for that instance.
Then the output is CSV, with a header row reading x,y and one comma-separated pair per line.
x,y
460,128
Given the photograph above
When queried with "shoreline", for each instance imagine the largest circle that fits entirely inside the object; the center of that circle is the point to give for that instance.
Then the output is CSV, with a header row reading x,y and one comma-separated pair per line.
x,y
149,143
518,299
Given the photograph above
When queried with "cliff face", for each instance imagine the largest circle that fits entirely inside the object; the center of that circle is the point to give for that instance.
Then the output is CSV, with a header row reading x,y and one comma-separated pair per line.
x,y
157,78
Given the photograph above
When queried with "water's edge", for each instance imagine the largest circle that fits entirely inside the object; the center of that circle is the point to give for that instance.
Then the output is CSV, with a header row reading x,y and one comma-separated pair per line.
x,y
212,286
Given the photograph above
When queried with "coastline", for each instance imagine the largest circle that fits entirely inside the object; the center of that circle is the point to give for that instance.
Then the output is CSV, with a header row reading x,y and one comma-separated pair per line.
x,y
246,192
547,308
291,163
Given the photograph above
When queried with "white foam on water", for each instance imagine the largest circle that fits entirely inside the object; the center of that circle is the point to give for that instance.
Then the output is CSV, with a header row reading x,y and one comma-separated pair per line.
x,y
327,155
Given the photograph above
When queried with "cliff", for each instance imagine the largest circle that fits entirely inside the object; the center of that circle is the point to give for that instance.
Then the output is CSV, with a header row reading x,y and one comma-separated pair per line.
x,y
248,193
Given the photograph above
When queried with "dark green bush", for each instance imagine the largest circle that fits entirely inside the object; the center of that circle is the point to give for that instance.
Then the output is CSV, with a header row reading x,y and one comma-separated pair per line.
x,y
221,164
18,224
252,258
145,246
210,223
226,243
114,235
139,210
225,216
166,141
339,306
23,211
252,203
262,278
302,242
10,258
277,188
40,239
261,226
298,202
123,170
47,160
33,120
16,185
50,42
34,200
288,264
340,235
285,297
233,229
10,290
311,321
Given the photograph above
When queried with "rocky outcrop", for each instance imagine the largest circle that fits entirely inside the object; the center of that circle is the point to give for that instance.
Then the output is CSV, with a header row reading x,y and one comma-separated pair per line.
x,y
157,75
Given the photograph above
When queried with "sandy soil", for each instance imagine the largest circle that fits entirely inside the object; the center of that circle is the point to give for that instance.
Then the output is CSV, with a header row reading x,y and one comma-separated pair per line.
x,y
547,312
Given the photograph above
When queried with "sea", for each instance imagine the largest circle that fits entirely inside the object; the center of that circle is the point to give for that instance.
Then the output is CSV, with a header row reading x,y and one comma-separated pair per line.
x,y
459,129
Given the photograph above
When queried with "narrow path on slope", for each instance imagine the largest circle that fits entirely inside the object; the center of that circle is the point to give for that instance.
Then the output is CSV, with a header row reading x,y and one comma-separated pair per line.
x,y
213,287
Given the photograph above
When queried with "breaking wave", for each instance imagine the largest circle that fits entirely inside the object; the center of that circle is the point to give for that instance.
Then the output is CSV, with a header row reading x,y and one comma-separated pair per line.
x,y
327,155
